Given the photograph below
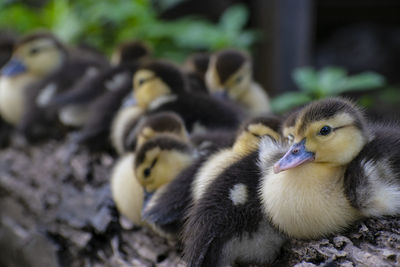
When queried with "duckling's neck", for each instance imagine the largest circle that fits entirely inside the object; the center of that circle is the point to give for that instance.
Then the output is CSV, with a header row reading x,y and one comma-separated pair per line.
x,y
307,201
12,96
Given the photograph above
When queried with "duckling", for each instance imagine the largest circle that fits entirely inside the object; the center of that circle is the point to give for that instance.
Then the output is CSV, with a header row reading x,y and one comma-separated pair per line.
x,y
229,75
127,192
226,224
190,185
304,192
158,162
41,67
107,90
161,86
196,66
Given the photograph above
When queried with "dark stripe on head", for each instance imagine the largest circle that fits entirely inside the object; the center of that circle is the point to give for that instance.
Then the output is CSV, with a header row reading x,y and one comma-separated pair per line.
x,y
164,122
169,73
328,108
133,51
162,142
227,62
270,121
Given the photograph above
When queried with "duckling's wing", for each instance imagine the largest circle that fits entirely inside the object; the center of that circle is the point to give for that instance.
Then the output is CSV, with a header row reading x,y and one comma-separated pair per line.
x,y
168,210
94,85
101,114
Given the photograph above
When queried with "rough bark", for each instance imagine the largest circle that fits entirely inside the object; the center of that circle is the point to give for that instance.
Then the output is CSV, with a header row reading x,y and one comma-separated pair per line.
x,y
57,211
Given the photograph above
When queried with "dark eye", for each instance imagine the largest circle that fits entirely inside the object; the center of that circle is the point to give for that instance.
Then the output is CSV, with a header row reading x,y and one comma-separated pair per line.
x,y
34,51
141,82
325,130
147,172
239,79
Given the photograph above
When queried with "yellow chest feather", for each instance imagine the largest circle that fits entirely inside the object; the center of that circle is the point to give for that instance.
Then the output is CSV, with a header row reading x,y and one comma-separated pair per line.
x,y
256,100
12,97
308,201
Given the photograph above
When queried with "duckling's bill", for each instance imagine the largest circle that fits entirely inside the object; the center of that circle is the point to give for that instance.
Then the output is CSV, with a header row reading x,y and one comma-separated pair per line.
x,y
13,68
296,156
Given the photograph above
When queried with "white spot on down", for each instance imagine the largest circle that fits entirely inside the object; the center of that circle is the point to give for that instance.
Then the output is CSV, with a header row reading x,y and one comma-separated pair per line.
x,y
238,194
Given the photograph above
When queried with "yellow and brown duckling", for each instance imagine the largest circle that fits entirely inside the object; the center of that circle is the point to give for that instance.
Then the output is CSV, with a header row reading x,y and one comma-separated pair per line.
x,y
127,192
41,67
106,92
229,76
226,224
338,170
161,86
167,211
158,162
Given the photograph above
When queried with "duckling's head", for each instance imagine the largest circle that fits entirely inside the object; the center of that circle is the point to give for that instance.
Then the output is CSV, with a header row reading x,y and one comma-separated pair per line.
x,y
251,132
165,123
331,131
159,160
156,79
39,54
130,52
198,63
229,74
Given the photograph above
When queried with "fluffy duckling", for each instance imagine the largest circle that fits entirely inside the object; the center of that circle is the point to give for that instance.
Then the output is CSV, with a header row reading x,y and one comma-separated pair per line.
x,y
158,162
41,68
226,224
126,136
304,192
229,75
170,207
34,58
196,67
126,191
107,90
161,86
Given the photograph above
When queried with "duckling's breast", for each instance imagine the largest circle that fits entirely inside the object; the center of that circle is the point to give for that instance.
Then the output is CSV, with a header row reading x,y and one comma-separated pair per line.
x,y
308,201
12,97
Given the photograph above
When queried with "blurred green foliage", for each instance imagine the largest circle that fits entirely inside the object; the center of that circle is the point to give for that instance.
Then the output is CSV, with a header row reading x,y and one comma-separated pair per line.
x,y
330,81
104,24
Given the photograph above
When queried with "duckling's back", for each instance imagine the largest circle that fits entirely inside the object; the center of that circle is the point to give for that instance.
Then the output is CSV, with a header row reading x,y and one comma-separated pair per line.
x,y
372,179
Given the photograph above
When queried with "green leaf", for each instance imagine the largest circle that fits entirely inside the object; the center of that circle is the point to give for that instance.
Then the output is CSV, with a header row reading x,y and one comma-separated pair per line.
x,y
289,100
306,79
330,79
234,18
363,81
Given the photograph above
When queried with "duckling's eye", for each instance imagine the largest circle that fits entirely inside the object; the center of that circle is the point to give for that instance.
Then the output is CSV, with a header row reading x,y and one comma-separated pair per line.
x,y
325,130
141,82
147,172
239,79
34,51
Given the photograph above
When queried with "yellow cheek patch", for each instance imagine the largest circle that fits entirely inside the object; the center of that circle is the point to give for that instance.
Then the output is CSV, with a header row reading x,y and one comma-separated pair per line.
x,y
148,87
169,164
